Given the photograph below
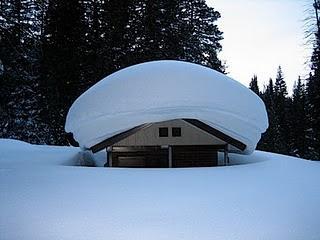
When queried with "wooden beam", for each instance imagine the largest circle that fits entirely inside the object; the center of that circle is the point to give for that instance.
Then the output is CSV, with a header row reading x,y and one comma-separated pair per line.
x,y
225,159
109,156
170,156
119,149
71,140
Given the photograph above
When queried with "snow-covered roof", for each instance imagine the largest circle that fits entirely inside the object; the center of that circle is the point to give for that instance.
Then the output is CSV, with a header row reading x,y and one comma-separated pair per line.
x,y
164,90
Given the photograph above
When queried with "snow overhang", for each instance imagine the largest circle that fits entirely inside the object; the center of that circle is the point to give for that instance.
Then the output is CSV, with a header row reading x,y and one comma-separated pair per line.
x,y
165,90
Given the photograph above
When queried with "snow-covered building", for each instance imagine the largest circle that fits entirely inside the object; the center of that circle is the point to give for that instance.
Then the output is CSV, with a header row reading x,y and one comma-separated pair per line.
x,y
167,114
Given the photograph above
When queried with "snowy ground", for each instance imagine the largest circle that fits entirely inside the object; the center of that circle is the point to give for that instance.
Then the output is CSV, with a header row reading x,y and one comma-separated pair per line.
x,y
43,196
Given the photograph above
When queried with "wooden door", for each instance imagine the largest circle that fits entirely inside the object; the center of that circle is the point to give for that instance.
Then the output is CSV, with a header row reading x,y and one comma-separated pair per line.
x,y
144,157
194,156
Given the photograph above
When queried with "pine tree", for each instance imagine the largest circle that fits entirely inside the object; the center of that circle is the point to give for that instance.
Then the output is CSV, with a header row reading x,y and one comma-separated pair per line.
x,y
117,18
280,86
179,30
61,78
93,47
313,93
313,113
298,121
253,85
200,35
19,51
52,51
271,139
281,111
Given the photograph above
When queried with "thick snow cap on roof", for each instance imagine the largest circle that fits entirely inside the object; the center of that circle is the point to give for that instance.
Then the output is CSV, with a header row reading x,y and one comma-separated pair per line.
x,y
164,90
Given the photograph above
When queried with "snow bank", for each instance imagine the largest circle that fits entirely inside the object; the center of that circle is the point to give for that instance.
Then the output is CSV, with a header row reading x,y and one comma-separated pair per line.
x,y
164,90
273,197
15,153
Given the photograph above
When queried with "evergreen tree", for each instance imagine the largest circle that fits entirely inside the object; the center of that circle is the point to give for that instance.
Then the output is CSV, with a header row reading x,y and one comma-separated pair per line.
x,y
61,79
52,51
207,44
94,47
298,121
179,30
313,113
280,86
281,111
19,51
313,94
271,140
253,85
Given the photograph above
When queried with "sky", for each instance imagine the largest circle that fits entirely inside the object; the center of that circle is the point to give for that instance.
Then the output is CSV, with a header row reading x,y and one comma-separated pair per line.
x,y
260,35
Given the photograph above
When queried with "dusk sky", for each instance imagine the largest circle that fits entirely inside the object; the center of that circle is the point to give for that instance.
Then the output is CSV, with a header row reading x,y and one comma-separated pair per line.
x,y
260,35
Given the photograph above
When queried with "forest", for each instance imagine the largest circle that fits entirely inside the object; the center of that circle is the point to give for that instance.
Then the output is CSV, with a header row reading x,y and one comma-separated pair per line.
x,y
51,51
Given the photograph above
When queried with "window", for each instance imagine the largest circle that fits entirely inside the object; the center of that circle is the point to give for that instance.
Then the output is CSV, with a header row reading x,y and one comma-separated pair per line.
x,y
163,132
176,132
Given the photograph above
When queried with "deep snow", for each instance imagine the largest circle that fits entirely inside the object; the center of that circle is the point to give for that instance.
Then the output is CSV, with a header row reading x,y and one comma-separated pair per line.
x,y
165,90
267,196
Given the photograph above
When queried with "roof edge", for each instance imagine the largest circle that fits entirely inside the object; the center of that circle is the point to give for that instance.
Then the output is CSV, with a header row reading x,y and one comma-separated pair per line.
x,y
205,127
118,137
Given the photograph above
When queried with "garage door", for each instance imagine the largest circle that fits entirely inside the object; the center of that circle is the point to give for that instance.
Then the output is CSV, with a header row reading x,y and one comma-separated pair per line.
x,y
194,156
147,157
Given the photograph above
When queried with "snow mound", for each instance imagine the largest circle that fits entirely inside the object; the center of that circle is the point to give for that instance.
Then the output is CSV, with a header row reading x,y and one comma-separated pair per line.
x,y
13,144
165,90
270,197
15,153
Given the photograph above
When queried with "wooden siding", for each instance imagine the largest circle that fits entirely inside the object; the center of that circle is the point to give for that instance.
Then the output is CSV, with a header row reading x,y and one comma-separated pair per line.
x,y
190,135
214,132
116,138
193,132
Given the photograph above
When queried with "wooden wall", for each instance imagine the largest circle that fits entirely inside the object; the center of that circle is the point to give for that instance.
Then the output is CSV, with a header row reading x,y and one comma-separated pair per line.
x,y
190,135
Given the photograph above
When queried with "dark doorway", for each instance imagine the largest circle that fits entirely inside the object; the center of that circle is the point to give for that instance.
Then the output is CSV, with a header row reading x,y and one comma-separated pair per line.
x,y
144,157
157,157
194,156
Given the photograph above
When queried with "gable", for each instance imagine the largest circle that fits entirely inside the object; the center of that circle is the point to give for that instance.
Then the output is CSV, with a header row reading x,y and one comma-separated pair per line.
x,y
202,133
190,135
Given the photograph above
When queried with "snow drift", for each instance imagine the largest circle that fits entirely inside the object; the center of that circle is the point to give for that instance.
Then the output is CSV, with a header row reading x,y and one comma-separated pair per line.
x,y
266,196
165,90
